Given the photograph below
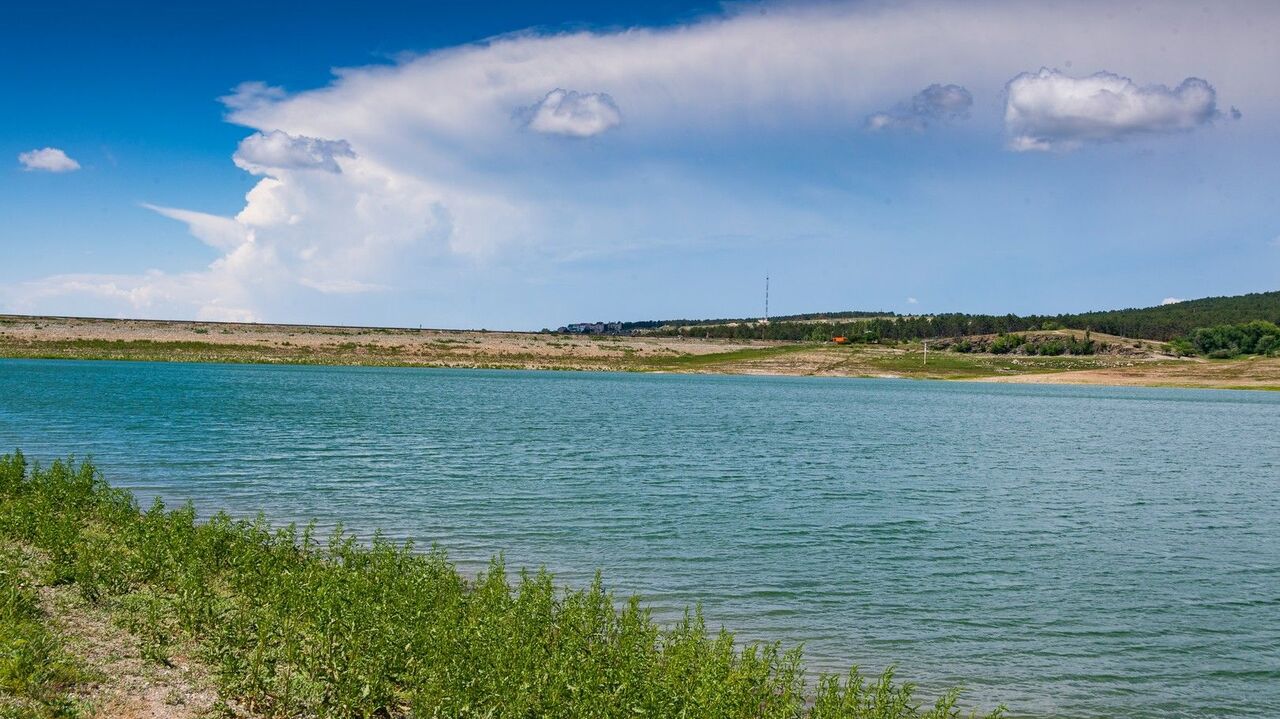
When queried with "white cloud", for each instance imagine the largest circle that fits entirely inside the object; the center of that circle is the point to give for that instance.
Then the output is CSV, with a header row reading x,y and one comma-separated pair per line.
x,y
222,233
934,103
1049,110
575,114
912,301
261,153
299,231
253,94
48,159
436,176
1170,301
202,295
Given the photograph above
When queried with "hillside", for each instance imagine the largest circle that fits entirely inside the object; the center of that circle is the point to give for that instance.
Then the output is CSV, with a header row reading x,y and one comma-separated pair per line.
x,y
644,325
1166,322
1114,360
1160,323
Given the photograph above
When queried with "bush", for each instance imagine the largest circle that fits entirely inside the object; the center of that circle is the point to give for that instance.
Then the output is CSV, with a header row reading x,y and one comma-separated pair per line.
x,y
1004,344
1081,347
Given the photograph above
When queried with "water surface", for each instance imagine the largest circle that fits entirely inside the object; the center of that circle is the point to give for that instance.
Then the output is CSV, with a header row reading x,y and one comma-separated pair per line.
x,y
1085,552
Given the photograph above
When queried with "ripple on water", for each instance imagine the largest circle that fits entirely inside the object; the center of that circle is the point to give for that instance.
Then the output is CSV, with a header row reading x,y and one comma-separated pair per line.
x,y
1086,552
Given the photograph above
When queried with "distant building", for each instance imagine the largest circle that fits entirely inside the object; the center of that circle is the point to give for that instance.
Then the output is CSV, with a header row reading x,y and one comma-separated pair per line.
x,y
593,328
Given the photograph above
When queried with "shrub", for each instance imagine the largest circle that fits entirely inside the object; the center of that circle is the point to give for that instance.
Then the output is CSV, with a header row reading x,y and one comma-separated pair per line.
x,y
1052,348
1081,347
1004,344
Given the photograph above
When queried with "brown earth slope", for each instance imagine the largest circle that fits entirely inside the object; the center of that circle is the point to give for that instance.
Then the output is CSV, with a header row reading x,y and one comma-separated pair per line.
x,y
1120,361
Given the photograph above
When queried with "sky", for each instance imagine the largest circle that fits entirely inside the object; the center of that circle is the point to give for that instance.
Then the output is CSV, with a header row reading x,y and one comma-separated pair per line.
x,y
527,165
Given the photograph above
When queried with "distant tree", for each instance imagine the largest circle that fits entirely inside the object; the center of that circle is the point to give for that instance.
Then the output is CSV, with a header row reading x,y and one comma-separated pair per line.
x,y
1164,323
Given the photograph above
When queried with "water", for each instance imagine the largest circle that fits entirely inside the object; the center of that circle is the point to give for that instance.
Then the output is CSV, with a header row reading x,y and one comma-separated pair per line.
x,y
1085,552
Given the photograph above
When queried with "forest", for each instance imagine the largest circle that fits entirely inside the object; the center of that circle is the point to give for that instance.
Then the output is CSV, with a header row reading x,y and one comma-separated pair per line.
x,y
1188,320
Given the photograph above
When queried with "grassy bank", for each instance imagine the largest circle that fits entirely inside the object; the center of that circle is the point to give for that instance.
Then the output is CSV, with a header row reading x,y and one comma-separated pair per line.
x,y
290,626
38,674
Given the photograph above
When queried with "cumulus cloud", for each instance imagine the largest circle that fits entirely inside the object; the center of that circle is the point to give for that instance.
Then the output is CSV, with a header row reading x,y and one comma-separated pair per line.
x,y
1170,301
575,114
435,174
1048,110
299,231
48,159
261,153
935,102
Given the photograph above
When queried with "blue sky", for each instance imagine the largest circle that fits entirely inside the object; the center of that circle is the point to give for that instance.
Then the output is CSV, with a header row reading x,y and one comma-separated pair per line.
x,y
527,165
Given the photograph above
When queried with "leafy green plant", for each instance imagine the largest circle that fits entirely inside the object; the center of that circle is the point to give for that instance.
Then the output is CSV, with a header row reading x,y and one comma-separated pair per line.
x,y
36,672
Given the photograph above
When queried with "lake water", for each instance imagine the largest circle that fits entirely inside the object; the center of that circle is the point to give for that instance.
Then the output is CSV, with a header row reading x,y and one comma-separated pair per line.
x,y
1069,551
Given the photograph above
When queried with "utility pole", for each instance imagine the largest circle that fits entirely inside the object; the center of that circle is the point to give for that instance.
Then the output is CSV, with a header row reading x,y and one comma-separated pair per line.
x,y
764,326
926,352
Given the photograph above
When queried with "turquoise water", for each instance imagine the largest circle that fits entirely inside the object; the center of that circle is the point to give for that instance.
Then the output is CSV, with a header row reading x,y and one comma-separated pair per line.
x,y
1082,552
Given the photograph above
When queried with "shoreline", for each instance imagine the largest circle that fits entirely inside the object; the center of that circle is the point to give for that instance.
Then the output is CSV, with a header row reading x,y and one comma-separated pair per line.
x,y
31,337
205,612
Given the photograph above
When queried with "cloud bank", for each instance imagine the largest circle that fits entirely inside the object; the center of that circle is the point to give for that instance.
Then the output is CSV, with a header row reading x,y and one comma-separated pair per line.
x,y
48,159
1048,110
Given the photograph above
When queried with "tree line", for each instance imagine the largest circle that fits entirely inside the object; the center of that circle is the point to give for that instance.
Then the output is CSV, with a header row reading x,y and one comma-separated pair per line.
x,y
1222,341
1163,323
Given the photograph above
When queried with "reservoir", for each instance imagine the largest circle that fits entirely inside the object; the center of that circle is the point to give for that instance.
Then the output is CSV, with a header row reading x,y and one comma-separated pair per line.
x,y
1068,551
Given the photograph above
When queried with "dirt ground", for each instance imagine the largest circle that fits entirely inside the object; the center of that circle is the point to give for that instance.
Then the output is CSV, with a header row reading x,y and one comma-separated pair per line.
x,y
1251,373
1122,361
130,687
203,341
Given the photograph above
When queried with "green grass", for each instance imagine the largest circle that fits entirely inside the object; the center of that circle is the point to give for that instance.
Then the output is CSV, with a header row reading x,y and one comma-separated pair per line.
x,y
689,362
292,626
37,674
150,351
959,365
